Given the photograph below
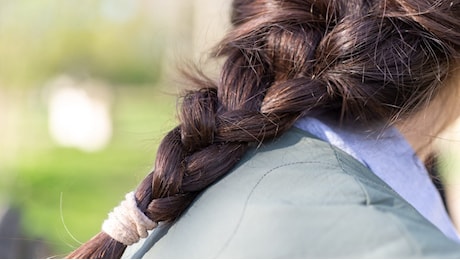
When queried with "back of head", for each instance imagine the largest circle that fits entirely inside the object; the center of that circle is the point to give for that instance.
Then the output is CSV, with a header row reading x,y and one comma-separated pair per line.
x,y
360,61
371,60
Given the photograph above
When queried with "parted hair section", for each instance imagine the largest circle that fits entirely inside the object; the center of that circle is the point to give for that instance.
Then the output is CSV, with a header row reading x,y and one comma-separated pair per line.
x,y
358,61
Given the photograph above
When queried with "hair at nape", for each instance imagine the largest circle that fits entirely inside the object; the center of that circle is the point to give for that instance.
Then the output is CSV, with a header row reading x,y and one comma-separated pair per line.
x,y
359,61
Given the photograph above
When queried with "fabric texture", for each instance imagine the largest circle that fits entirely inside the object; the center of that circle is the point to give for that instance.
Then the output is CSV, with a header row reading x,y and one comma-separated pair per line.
x,y
298,197
389,156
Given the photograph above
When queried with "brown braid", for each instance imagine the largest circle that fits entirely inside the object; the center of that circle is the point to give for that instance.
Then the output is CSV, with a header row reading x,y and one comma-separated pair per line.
x,y
357,60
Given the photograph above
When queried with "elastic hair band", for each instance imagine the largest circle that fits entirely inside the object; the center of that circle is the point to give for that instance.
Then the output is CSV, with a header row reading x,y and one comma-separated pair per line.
x,y
127,223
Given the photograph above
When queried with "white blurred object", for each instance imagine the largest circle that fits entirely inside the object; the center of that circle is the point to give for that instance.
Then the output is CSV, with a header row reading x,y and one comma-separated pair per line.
x,y
77,117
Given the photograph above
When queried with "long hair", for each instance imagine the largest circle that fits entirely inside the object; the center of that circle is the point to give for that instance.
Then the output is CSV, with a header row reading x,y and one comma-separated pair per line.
x,y
359,61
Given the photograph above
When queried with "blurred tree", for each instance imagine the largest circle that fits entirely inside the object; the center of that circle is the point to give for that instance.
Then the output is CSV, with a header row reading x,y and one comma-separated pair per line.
x,y
116,41
121,43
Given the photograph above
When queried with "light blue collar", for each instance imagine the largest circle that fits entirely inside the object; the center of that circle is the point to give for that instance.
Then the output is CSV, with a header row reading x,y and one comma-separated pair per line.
x,y
390,157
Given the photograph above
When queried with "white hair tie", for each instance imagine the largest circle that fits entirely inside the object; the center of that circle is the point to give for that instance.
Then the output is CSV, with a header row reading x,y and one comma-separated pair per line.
x,y
127,223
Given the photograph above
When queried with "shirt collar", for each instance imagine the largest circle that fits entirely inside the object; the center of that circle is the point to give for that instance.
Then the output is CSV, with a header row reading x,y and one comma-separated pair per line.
x,y
386,153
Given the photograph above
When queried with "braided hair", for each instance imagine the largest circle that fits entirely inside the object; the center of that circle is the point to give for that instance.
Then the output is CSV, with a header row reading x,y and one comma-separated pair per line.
x,y
359,61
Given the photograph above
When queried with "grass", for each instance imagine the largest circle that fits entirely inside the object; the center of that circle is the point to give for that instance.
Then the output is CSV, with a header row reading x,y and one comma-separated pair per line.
x,y
65,194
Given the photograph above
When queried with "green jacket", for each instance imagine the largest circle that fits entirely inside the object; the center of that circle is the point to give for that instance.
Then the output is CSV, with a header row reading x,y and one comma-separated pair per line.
x,y
298,197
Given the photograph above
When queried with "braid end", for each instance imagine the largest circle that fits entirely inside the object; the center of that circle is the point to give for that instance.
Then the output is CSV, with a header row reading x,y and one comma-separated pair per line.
x,y
100,246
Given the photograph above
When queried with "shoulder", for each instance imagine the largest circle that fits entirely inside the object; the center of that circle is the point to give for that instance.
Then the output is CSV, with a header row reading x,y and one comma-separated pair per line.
x,y
299,197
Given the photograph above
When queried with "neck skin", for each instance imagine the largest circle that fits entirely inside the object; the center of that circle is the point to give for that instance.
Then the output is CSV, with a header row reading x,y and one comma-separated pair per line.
x,y
423,127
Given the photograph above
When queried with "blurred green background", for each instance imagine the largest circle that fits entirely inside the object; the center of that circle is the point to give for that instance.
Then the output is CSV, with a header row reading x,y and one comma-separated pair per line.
x,y
87,90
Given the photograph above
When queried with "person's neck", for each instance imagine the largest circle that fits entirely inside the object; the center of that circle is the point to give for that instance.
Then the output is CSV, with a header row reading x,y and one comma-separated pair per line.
x,y
422,128
420,132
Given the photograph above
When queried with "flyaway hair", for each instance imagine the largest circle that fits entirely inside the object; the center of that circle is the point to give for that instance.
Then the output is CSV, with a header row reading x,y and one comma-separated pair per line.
x,y
359,61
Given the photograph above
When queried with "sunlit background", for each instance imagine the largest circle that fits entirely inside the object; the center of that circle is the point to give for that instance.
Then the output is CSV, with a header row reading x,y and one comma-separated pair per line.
x,y
87,90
